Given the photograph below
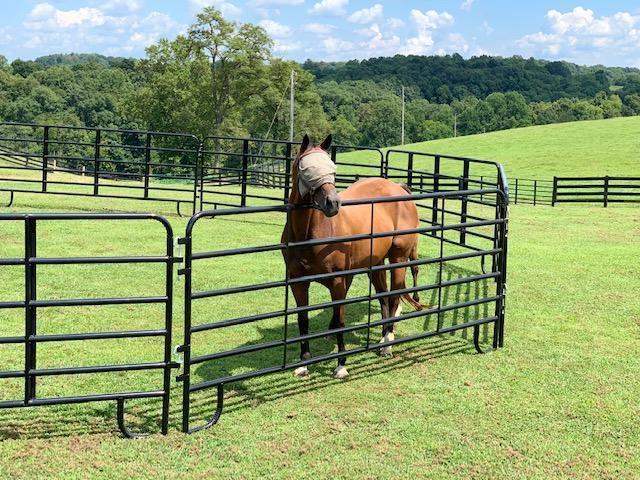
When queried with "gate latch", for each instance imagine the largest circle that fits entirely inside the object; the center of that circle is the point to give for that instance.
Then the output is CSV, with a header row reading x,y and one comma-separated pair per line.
x,y
178,243
177,355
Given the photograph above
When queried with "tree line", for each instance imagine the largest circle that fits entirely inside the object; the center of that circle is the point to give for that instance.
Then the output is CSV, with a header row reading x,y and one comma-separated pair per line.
x,y
221,78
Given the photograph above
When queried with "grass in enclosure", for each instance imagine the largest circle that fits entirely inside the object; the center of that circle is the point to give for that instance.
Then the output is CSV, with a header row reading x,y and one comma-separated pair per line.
x,y
560,400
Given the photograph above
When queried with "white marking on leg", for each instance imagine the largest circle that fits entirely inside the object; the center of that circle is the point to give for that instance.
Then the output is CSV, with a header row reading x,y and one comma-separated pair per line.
x,y
340,372
398,310
387,351
301,372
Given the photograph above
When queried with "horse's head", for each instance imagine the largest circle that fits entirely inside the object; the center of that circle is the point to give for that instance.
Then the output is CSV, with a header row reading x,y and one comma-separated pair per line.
x,y
316,176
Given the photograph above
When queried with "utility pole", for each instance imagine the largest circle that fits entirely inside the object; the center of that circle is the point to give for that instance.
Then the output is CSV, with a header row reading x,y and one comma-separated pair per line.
x,y
292,104
402,135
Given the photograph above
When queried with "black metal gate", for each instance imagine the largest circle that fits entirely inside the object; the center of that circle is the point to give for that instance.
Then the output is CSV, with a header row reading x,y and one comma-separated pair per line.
x,y
32,303
462,228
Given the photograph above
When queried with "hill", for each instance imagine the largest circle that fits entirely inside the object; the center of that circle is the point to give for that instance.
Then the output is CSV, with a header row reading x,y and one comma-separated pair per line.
x,y
600,147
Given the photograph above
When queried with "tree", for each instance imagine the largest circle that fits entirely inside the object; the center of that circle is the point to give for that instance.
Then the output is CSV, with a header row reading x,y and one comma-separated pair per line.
x,y
381,123
235,53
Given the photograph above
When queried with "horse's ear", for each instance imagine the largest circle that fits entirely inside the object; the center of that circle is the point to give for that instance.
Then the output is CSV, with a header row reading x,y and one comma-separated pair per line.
x,y
326,145
305,144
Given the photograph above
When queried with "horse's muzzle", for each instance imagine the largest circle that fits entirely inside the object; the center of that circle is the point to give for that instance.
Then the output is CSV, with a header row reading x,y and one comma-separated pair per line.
x,y
331,205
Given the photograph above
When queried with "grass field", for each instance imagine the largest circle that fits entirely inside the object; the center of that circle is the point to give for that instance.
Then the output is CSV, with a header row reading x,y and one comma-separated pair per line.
x,y
590,148
559,401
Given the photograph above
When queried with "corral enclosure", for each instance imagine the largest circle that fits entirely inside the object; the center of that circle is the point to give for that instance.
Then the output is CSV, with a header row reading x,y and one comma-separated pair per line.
x,y
243,320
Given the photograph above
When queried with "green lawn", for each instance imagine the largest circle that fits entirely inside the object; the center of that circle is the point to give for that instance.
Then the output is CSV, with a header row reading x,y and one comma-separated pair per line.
x,y
561,400
591,148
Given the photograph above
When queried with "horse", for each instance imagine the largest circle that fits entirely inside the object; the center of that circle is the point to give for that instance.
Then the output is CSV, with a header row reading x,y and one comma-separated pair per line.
x,y
313,179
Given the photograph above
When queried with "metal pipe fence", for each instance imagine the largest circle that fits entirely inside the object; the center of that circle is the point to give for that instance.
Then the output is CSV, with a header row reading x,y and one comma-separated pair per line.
x,y
603,190
32,305
459,297
463,218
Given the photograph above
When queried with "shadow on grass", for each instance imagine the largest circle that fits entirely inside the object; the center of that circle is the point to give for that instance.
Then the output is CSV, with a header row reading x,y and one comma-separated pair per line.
x,y
144,415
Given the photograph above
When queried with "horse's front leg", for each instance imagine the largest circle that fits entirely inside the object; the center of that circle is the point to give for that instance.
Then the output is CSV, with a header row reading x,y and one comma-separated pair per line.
x,y
301,294
339,290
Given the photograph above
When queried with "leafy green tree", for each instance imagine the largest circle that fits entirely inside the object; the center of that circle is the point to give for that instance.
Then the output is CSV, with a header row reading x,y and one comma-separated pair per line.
x,y
381,123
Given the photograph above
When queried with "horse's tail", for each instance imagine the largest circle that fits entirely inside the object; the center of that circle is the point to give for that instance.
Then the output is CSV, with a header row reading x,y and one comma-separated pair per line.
x,y
417,306
406,188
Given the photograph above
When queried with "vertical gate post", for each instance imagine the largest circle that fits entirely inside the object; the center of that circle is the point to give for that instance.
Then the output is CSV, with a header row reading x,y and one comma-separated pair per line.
x,y
245,173
436,188
554,193
606,191
185,348
464,204
45,158
30,252
147,165
96,162
410,170
287,173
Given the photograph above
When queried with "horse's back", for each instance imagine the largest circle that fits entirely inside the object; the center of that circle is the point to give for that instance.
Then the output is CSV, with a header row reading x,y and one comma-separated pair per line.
x,y
400,215
373,188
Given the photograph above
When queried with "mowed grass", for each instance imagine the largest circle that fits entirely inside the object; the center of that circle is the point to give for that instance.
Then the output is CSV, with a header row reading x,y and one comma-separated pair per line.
x,y
560,400
590,148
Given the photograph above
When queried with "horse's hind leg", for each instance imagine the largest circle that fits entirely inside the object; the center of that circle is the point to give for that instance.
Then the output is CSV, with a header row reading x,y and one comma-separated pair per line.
x,y
301,294
395,306
379,280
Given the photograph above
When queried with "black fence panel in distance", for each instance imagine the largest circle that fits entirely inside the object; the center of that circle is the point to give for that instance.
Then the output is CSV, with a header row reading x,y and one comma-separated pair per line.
x,y
60,340
108,163
603,190
237,330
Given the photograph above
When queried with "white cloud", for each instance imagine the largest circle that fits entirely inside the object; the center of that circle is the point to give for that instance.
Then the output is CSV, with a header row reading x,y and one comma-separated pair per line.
x,y
318,28
121,5
330,7
378,43
486,28
227,8
45,16
431,19
52,30
277,3
395,23
581,36
426,24
367,15
466,5
333,45
275,29
287,47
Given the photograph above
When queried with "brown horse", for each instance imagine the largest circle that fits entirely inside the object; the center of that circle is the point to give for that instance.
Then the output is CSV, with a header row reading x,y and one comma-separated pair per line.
x,y
313,182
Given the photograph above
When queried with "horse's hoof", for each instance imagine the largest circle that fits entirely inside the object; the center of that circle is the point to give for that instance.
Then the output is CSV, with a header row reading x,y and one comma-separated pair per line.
x,y
340,373
301,372
386,352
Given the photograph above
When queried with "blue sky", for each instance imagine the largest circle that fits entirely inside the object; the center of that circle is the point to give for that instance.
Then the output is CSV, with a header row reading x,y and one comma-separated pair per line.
x,y
585,32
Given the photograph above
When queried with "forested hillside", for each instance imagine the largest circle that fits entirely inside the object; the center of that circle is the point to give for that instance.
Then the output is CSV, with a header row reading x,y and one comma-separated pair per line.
x,y
197,83
442,79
